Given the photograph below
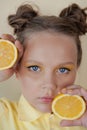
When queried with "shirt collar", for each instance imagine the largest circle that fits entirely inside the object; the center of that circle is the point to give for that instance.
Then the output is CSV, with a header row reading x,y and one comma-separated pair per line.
x,y
26,112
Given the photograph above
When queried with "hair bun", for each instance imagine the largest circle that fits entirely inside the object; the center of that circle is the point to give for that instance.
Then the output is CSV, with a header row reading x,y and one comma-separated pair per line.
x,y
77,16
24,15
26,12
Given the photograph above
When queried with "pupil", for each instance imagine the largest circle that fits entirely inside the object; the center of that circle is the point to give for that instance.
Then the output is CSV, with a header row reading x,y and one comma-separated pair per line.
x,y
62,70
35,68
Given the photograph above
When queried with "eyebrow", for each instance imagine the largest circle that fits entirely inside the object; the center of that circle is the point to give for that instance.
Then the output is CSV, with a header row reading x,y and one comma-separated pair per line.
x,y
37,62
67,63
33,62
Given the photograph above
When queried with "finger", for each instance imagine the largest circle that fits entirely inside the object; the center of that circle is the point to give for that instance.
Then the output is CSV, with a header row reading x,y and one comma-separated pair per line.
x,y
75,90
5,74
19,47
69,123
84,93
8,37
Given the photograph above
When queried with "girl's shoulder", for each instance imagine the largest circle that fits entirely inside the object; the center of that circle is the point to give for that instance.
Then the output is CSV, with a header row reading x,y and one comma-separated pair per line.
x,y
7,105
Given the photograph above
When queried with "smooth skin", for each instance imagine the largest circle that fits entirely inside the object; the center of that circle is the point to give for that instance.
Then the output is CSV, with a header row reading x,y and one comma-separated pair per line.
x,y
47,67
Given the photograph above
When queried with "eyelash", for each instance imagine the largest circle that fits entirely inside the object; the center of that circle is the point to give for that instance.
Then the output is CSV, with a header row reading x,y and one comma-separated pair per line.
x,y
34,68
64,70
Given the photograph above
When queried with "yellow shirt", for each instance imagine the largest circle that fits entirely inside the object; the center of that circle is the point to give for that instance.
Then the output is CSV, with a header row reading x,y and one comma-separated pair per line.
x,y
22,116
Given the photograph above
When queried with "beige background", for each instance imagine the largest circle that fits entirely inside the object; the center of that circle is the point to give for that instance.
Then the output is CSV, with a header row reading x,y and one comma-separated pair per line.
x,y
11,87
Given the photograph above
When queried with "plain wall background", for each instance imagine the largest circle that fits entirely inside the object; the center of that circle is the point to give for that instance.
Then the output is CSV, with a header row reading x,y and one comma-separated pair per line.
x,y
11,87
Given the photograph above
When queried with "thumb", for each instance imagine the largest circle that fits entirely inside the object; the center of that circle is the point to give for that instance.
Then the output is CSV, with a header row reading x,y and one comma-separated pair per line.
x,y
65,123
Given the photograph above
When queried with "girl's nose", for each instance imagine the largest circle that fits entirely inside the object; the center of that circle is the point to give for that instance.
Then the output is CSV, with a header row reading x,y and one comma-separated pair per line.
x,y
49,82
49,86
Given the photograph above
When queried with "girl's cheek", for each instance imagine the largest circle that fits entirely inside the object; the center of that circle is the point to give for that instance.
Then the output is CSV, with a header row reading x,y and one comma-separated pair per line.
x,y
65,81
34,77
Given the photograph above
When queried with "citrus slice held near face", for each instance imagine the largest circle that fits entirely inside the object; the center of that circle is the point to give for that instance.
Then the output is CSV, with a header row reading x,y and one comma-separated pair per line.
x,y
8,54
69,107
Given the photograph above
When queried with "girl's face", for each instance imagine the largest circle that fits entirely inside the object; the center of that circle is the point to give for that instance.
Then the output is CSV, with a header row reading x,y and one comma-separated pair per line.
x,y
48,65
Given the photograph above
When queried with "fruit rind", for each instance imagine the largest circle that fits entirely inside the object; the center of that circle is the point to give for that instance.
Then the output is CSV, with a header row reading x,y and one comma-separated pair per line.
x,y
69,118
16,54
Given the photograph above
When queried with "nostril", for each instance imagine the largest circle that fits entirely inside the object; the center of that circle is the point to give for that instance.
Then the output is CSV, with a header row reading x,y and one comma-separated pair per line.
x,y
49,86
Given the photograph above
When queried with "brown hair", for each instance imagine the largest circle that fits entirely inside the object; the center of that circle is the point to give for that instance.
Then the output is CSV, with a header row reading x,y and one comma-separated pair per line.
x,y
71,21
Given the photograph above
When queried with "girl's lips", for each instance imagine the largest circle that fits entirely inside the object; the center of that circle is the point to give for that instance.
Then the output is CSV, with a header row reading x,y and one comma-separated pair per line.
x,y
46,99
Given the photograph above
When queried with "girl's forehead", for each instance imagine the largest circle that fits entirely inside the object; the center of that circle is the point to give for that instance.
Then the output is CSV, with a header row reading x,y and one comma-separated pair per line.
x,y
44,46
44,38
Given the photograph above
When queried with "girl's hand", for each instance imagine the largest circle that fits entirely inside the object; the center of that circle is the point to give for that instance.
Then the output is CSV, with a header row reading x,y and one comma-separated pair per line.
x,y
5,74
76,90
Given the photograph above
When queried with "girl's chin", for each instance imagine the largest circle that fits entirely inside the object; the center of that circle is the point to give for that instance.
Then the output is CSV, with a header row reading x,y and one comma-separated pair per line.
x,y
45,110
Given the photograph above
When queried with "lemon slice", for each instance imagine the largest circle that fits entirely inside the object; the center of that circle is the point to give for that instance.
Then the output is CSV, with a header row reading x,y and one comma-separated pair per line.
x,y
8,54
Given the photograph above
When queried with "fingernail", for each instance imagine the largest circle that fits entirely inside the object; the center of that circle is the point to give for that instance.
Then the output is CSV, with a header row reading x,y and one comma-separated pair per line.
x,y
70,91
63,90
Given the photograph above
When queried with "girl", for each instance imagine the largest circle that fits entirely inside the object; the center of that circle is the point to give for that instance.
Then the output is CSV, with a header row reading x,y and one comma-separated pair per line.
x,y
49,56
